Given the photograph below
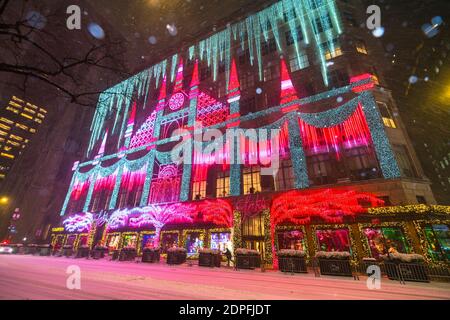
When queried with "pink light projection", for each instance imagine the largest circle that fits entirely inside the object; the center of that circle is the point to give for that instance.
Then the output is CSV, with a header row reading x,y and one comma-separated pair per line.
x,y
144,135
354,132
210,111
78,223
133,180
166,187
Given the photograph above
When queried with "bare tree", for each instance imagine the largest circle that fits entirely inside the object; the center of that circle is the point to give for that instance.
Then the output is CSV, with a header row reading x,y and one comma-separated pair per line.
x,y
35,44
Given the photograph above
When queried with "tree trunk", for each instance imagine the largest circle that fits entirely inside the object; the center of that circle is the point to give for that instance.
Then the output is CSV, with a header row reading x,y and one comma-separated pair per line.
x,y
157,235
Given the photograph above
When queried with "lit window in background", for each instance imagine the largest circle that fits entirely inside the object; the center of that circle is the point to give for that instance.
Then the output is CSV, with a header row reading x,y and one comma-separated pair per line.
x,y
361,47
26,116
13,136
12,103
22,126
5,127
32,130
12,109
29,110
7,121
7,155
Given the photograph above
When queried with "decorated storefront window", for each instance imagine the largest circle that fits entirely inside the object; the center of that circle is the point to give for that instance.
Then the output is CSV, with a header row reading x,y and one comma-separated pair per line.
x,y
148,241
113,241
438,241
386,240
293,239
221,241
129,240
194,242
168,240
71,239
83,241
333,240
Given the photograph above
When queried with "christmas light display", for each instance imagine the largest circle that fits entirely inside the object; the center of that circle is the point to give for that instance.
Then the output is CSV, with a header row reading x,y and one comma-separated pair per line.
x,y
78,223
307,15
219,212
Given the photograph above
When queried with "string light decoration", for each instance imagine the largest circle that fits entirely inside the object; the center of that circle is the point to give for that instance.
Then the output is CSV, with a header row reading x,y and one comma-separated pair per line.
x,y
210,111
219,212
318,21
144,135
78,223
331,205
332,117
153,215
166,187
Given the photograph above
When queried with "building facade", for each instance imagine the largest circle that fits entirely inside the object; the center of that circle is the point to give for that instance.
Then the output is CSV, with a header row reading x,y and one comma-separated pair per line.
x,y
276,132
19,121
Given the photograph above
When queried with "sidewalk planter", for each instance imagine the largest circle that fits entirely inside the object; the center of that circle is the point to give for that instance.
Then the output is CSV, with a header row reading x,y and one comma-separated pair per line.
x,y
405,267
127,254
32,249
44,249
334,263
151,255
83,252
209,258
292,261
67,250
176,255
99,252
247,259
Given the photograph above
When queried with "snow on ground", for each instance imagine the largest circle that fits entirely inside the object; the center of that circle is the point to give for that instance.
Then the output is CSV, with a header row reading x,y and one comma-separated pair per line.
x,y
34,277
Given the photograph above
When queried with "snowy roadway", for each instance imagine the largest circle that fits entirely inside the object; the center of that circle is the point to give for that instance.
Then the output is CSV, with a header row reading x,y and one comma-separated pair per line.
x,y
34,277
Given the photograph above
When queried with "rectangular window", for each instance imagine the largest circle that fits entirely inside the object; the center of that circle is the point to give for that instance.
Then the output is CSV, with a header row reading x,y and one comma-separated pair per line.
x,y
334,52
404,161
294,240
438,241
268,46
252,180
385,240
323,24
333,240
388,119
298,63
284,179
290,39
223,185
198,190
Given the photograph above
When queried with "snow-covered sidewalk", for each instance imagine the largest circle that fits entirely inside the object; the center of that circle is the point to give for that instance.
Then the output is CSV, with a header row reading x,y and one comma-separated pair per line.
x,y
34,277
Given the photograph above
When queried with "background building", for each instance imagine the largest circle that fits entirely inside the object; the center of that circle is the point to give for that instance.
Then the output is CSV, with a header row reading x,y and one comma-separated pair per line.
x,y
310,70
19,121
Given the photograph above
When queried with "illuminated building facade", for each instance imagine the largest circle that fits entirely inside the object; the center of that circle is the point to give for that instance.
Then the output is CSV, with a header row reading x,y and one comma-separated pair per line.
x,y
19,121
347,172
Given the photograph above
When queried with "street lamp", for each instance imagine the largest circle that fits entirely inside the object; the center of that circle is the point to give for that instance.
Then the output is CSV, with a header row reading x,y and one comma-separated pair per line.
x,y
4,200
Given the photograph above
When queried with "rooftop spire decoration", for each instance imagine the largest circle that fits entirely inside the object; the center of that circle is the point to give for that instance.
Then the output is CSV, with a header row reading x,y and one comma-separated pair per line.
x,y
179,79
288,92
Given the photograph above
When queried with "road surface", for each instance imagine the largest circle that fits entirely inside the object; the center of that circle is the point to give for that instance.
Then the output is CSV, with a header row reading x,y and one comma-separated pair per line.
x,y
34,277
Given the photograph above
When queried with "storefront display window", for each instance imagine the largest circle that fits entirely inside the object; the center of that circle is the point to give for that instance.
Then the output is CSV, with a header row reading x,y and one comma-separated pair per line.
x,y
83,241
71,240
113,242
168,240
333,240
438,240
129,240
221,241
293,239
148,241
194,242
385,240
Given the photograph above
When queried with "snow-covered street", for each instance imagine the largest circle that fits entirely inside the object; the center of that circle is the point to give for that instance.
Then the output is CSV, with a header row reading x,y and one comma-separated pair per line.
x,y
34,277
